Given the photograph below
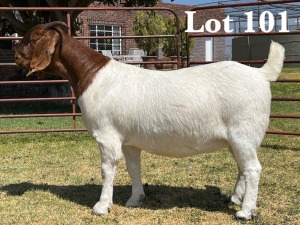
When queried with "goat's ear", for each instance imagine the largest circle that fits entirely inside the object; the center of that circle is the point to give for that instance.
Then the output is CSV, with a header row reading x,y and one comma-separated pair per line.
x,y
43,51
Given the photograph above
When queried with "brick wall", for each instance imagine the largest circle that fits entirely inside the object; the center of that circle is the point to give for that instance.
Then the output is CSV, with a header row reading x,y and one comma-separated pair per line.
x,y
125,19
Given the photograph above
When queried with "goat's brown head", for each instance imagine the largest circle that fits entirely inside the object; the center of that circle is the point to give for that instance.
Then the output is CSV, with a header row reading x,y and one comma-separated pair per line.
x,y
36,49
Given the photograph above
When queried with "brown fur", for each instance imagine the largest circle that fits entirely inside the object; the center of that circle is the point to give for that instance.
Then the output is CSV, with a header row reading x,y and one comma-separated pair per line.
x,y
49,49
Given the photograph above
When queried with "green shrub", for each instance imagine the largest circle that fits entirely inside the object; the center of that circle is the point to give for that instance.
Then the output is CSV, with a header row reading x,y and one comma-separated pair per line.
x,y
170,44
148,23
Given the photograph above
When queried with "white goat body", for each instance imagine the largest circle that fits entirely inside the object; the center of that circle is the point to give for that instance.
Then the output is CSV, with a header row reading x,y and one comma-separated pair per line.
x,y
182,113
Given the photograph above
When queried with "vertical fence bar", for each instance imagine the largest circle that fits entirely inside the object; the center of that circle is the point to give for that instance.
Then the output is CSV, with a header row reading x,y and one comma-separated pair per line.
x,y
73,102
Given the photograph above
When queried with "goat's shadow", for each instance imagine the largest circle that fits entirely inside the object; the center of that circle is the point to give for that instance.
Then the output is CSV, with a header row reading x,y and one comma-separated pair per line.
x,y
157,196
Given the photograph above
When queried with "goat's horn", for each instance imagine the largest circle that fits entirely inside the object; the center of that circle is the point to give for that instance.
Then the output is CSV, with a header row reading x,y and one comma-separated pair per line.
x,y
55,24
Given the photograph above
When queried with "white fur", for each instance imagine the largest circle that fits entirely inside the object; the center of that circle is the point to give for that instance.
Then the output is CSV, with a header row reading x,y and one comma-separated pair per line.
x,y
180,113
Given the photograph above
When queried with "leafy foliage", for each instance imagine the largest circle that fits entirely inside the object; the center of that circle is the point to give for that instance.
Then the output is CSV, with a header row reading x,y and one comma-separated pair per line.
x,y
146,3
148,23
170,48
22,21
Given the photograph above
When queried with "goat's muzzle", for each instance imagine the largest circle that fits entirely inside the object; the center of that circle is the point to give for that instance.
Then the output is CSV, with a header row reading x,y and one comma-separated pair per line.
x,y
22,62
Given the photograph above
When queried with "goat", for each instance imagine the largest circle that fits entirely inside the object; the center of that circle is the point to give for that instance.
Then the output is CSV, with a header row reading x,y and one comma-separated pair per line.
x,y
173,113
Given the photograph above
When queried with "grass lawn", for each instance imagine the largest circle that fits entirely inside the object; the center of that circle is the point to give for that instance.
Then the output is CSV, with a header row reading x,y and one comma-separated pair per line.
x,y
55,178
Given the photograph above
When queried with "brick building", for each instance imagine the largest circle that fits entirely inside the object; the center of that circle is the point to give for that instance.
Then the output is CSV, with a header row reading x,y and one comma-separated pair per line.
x,y
120,23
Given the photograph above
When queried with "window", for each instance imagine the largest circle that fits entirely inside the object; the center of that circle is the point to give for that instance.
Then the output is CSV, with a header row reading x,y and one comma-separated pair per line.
x,y
114,45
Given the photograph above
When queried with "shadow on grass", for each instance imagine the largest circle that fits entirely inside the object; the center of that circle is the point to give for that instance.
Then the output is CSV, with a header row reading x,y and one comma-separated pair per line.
x,y
280,147
157,197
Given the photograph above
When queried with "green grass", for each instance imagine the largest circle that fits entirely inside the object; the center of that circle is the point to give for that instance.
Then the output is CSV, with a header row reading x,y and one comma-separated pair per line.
x,y
55,178
37,123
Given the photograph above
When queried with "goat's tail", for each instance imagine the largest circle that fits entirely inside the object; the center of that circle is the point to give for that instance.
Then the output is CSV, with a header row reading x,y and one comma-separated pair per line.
x,y
273,66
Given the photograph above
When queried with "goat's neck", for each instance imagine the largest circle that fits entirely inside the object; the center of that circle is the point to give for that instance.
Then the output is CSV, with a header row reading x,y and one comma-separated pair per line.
x,y
81,63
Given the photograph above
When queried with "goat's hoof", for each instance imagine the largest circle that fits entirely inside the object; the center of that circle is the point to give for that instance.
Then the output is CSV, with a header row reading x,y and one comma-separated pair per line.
x,y
242,215
132,203
135,202
99,209
235,200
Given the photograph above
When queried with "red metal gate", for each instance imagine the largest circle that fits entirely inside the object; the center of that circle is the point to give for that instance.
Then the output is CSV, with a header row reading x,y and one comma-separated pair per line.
x,y
74,114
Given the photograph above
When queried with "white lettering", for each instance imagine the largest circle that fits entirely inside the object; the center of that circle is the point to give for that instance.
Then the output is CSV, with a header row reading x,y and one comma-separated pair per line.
x,y
208,25
263,22
284,22
190,23
266,23
227,21
249,22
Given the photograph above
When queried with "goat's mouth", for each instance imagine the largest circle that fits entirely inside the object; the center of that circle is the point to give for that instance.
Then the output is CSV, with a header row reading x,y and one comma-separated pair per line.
x,y
23,64
22,60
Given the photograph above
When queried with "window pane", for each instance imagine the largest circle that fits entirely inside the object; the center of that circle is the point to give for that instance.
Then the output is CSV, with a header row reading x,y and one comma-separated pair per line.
x,y
116,31
116,28
108,41
100,33
92,27
108,28
93,33
116,41
117,48
93,46
116,34
101,41
100,27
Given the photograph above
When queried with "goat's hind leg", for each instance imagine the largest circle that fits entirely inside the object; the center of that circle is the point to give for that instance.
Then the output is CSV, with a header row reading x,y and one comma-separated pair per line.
x,y
250,169
239,189
133,162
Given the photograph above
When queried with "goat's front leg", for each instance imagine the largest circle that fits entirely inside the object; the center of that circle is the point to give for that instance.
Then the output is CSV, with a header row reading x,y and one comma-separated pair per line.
x,y
133,162
110,156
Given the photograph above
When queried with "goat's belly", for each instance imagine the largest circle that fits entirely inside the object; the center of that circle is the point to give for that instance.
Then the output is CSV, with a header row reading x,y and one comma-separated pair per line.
x,y
177,147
